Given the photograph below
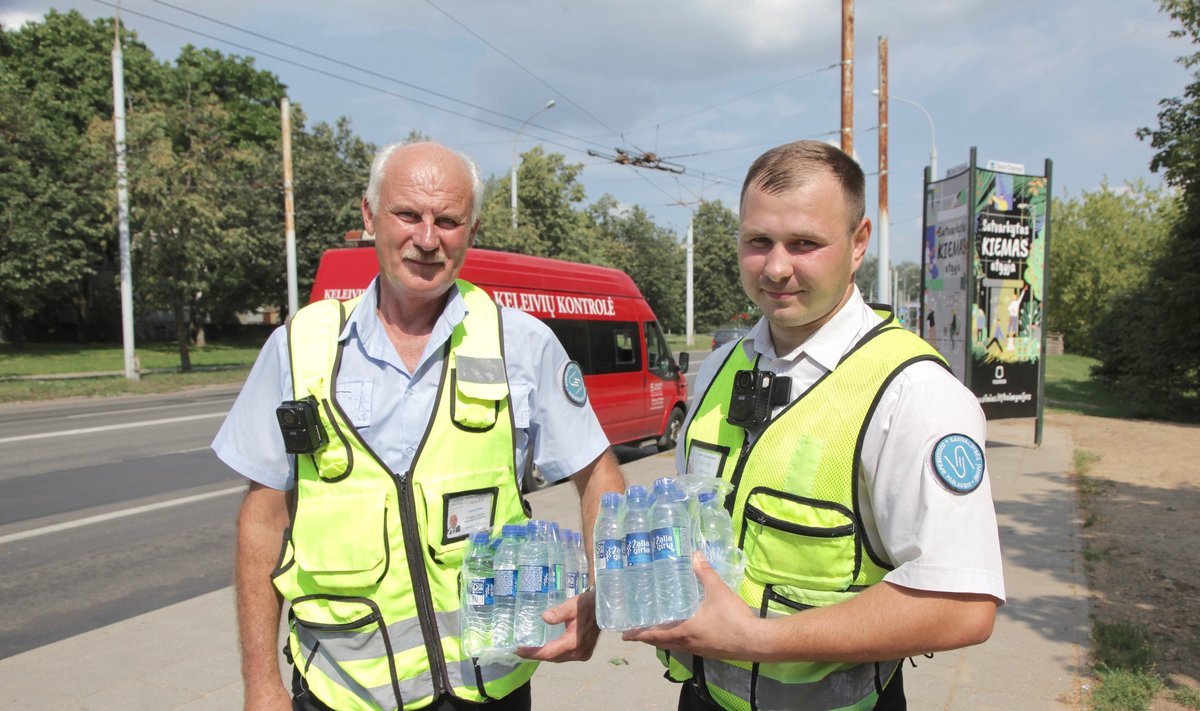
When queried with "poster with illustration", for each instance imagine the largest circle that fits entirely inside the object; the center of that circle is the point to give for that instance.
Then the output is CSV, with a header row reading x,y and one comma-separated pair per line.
x,y
945,264
1008,263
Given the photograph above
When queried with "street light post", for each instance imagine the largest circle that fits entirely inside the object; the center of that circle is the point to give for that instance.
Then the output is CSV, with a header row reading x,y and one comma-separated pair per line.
x,y
513,179
932,134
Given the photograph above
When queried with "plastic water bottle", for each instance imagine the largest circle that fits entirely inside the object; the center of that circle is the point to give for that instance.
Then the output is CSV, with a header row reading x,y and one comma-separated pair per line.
x,y
480,586
609,543
639,571
572,563
533,577
584,582
671,533
504,564
715,538
558,577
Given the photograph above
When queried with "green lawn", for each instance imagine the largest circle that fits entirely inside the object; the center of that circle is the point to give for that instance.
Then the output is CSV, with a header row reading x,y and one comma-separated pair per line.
x,y
58,358
1069,388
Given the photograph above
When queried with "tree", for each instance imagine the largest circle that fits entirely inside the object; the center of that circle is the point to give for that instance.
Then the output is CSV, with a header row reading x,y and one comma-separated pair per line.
x,y
1103,246
649,254
719,297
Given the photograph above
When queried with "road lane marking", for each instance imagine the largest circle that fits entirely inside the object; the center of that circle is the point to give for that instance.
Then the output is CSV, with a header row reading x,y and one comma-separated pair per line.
x,y
68,525
107,428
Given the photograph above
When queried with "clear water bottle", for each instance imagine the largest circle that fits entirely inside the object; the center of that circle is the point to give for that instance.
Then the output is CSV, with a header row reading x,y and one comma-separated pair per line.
x,y
533,589
671,533
558,576
504,564
479,584
572,562
584,582
639,571
609,543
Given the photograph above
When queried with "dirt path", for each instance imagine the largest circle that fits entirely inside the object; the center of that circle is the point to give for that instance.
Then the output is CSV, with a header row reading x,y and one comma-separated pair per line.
x,y
1144,536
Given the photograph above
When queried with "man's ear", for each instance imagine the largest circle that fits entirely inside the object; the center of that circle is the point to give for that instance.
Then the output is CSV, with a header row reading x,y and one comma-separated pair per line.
x,y
861,239
474,233
368,217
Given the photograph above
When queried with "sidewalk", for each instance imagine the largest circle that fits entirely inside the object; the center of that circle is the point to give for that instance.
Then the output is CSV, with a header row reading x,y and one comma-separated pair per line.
x,y
185,656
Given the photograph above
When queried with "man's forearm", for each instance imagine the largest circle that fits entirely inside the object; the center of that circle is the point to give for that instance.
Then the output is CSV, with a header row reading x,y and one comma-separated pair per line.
x,y
601,476
260,529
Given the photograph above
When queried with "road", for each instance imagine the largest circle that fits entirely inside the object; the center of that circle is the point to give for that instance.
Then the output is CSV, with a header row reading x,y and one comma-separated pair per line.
x,y
112,508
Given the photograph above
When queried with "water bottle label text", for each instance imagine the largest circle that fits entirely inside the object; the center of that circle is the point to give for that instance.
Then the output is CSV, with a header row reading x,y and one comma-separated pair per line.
x,y
609,554
533,579
506,582
637,548
667,543
480,591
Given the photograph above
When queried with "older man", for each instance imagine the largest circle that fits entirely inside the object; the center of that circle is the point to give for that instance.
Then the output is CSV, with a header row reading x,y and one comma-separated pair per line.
x,y
406,415
859,489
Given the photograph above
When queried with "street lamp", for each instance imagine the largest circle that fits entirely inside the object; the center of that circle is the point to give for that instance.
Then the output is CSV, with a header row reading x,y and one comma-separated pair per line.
x,y
513,181
932,133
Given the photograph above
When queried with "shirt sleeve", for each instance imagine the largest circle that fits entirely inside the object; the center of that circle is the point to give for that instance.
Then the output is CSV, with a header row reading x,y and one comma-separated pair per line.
x,y
938,538
249,440
566,436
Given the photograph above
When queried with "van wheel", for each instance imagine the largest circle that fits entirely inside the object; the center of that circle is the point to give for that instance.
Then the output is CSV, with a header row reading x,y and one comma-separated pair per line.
x,y
671,435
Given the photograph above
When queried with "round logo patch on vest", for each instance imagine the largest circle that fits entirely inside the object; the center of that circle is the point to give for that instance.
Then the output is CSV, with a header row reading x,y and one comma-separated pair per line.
x,y
572,382
958,462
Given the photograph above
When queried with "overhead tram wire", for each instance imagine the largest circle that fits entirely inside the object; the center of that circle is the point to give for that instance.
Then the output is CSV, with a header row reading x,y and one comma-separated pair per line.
x,y
258,52
531,73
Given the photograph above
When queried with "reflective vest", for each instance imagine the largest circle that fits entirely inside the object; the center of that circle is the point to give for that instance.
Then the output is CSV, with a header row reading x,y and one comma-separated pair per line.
x,y
795,511
371,561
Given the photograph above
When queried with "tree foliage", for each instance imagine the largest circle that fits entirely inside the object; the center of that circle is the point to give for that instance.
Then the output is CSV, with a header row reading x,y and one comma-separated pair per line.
x,y
649,254
719,297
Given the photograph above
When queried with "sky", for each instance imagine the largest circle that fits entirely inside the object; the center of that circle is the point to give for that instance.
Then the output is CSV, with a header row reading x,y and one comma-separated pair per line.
x,y
708,85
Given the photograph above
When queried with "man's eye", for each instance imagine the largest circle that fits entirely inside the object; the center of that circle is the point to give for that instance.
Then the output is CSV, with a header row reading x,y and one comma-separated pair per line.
x,y
447,223
408,216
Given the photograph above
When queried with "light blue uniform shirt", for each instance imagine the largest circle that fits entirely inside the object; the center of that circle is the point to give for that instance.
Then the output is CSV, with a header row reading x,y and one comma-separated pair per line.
x,y
391,407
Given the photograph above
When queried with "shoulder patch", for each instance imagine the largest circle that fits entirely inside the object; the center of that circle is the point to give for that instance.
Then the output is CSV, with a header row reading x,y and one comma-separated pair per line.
x,y
572,383
958,462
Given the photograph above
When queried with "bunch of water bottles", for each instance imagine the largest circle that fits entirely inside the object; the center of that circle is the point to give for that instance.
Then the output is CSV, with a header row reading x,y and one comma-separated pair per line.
x,y
509,581
644,545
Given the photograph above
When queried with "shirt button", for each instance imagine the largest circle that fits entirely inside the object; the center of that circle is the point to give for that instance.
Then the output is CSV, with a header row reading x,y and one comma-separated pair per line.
x,y
409,450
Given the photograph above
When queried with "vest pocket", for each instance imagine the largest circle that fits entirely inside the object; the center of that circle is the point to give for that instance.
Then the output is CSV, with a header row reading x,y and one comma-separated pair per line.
x,y
341,542
346,654
797,541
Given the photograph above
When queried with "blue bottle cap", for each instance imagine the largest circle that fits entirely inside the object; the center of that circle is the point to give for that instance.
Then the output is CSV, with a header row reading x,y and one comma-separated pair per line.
x,y
610,500
514,529
480,538
635,492
663,484
706,497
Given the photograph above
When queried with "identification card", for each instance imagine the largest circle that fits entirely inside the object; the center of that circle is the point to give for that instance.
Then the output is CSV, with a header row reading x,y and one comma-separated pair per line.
x,y
468,512
704,462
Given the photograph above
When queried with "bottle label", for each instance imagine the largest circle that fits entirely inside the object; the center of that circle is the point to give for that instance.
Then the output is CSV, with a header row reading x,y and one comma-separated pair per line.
x,y
609,554
572,583
637,548
667,543
480,591
533,579
506,582
560,577
585,581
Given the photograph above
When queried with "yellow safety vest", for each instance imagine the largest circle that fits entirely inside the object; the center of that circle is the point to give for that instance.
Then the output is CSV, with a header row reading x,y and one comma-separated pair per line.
x,y
369,563
795,511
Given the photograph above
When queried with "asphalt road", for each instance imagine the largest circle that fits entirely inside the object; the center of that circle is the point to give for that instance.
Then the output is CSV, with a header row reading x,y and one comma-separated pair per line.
x,y
112,508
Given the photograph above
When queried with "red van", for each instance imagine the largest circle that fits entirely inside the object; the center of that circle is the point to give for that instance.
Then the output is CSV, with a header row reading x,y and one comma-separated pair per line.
x,y
635,386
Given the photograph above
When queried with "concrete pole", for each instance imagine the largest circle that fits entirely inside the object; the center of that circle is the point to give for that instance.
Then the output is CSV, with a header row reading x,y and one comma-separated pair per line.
x,y
848,77
691,310
883,272
289,209
118,70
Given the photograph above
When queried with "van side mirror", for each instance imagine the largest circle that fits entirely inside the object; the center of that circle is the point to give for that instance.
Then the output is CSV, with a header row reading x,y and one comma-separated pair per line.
x,y
684,360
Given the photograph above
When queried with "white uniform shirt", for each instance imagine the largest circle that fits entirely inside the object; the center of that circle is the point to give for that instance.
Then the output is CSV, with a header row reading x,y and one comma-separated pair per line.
x,y
390,407
937,539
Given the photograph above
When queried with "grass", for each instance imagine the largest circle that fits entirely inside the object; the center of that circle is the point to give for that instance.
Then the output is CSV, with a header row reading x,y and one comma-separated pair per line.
x,y
1185,696
1070,388
57,358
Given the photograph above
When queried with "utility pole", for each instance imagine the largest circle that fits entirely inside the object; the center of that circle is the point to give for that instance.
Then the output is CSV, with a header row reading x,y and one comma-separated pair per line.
x,y
118,69
691,311
289,209
848,77
883,273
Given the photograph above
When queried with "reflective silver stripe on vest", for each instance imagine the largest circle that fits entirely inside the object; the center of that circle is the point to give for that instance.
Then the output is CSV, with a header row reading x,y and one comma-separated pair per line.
x,y
351,646
462,673
837,690
489,371
382,696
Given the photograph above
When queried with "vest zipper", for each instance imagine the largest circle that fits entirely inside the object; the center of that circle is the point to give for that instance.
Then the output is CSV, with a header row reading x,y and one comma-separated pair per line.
x,y
736,477
758,516
420,578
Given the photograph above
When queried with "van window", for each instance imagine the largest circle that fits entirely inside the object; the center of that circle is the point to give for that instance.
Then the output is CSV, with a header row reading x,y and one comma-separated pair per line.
x,y
658,354
600,347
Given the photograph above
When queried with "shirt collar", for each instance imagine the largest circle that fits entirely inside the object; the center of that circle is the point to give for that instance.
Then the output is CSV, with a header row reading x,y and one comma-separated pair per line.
x,y
826,346
364,323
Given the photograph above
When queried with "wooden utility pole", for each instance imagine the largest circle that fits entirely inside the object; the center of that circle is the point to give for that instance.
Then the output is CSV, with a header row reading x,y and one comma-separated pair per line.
x,y
289,209
848,77
883,268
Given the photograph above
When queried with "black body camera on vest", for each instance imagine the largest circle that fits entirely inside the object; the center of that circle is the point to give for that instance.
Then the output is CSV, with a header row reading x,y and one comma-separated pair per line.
x,y
301,426
755,392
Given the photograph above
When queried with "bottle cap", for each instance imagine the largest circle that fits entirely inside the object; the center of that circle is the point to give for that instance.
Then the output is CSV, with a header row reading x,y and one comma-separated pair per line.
x,y
610,500
706,497
663,484
635,492
480,538
514,529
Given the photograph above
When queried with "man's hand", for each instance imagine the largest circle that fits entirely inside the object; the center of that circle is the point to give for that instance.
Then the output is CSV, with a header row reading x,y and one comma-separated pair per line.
x,y
579,639
273,697
723,628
